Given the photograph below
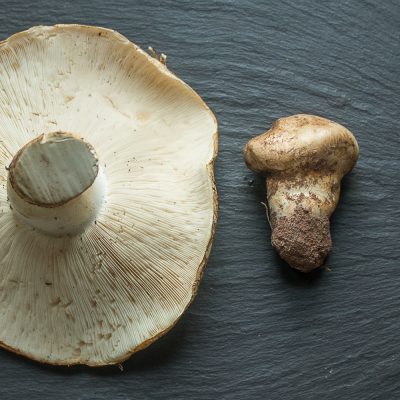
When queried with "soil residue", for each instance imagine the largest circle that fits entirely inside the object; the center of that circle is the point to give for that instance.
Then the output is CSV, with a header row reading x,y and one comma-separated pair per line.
x,y
302,239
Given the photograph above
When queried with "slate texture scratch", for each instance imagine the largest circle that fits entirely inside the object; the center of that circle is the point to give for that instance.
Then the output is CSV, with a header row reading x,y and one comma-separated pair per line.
x,y
257,329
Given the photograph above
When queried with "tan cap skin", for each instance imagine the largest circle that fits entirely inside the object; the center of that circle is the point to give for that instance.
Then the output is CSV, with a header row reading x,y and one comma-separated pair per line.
x,y
304,158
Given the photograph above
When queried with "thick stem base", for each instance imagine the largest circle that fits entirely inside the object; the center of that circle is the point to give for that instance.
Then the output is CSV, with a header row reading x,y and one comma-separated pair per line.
x,y
56,185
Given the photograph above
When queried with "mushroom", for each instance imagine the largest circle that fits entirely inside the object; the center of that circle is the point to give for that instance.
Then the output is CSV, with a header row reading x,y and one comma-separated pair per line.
x,y
304,158
107,198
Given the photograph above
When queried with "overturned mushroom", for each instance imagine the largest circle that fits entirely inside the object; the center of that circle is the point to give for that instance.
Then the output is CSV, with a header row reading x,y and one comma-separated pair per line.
x,y
304,158
107,197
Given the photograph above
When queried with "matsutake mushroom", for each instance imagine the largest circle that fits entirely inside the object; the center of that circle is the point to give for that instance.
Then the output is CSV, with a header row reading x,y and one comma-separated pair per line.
x,y
304,158
107,198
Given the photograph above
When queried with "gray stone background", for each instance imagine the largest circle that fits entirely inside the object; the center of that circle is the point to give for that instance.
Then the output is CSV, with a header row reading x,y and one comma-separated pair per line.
x,y
257,329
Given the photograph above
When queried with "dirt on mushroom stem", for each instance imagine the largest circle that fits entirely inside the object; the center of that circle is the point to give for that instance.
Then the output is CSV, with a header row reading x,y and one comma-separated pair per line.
x,y
302,239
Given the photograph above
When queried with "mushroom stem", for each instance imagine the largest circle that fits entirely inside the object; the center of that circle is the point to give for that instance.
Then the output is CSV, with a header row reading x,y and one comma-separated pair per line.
x,y
55,184
299,210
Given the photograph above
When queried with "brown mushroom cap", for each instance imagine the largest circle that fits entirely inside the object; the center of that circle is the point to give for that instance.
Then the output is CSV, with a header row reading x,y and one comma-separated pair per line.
x,y
302,142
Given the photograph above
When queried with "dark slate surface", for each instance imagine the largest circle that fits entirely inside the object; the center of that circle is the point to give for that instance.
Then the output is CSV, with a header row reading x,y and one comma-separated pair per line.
x,y
258,329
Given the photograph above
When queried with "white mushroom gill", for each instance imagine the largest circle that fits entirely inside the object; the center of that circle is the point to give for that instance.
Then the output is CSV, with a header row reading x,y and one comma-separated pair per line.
x,y
127,268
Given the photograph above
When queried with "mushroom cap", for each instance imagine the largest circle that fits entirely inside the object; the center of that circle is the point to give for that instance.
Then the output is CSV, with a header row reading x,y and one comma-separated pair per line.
x,y
302,142
97,297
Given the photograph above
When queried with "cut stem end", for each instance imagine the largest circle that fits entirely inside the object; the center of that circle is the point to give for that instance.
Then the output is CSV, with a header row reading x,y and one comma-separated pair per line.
x,y
55,184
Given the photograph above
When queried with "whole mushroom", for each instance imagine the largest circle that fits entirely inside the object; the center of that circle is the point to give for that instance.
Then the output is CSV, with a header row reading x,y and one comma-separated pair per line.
x,y
304,158
107,198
